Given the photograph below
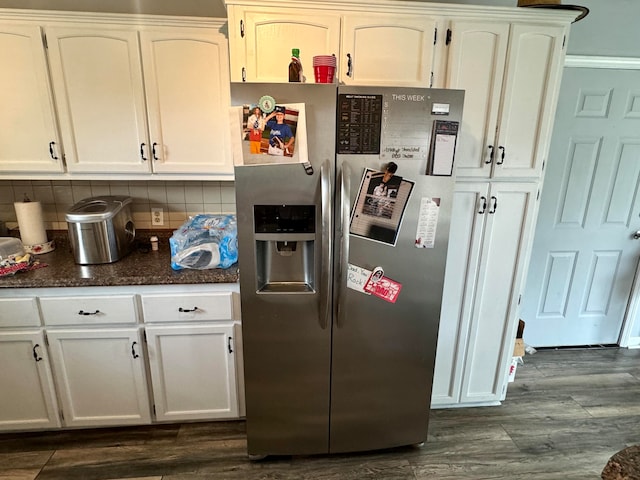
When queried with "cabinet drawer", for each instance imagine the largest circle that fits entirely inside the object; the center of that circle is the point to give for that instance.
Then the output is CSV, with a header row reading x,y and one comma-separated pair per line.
x,y
187,307
112,309
19,312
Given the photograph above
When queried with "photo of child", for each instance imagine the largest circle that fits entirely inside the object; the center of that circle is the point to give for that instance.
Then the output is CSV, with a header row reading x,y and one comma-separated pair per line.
x,y
272,134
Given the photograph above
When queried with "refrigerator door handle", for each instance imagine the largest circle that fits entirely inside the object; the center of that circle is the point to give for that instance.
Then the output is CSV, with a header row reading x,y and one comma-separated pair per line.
x,y
327,228
345,211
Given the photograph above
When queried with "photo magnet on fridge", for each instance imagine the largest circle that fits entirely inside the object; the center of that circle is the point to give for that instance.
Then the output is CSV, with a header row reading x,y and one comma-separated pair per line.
x,y
379,207
269,133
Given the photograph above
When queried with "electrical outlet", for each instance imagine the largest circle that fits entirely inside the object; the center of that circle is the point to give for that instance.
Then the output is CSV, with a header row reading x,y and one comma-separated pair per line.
x,y
157,216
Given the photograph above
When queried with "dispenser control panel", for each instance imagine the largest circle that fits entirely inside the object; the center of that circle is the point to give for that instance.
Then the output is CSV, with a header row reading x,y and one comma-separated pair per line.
x,y
284,218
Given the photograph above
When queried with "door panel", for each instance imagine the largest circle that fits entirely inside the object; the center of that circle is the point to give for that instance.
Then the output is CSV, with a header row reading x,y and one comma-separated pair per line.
x,y
270,38
186,77
584,257
476,63
463,257
27,118
529,94
502,266
97,77
404,57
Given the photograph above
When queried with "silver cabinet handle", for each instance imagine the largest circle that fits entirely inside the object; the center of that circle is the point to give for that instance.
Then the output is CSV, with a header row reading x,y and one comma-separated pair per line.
x,y
636,236
345,211
326,249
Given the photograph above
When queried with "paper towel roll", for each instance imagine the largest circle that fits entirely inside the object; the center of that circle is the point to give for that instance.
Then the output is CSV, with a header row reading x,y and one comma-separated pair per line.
x,y
31,223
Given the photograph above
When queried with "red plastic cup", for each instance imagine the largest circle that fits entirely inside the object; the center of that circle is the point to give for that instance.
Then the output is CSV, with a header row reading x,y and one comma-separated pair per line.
x,y
324,73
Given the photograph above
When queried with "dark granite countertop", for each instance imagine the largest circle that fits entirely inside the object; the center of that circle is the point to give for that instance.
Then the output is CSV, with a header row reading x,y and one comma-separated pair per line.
x,y
141,267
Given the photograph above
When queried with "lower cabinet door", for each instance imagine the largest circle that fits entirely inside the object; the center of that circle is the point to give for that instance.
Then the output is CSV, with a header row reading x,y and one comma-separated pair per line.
x,y
494,317
193,371
27,397
100,376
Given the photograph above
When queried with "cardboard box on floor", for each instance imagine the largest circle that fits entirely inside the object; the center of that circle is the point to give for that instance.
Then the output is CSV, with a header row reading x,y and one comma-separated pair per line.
x,y
518,347
518,351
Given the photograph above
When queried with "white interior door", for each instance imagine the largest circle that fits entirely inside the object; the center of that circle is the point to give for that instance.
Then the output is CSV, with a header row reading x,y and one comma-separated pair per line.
x,y
584,255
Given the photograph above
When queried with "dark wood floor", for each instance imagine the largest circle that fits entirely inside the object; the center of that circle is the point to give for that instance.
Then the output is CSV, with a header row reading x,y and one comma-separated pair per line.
x,y
566,414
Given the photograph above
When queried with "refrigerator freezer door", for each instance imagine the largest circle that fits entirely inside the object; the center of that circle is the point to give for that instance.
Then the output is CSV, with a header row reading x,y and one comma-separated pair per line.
x,y
287,329
383,352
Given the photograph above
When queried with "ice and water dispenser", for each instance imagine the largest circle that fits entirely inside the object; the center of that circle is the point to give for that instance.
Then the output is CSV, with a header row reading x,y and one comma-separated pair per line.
x,y
284,237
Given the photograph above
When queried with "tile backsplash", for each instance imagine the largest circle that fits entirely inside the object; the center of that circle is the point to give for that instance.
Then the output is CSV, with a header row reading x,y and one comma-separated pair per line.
x,y
178,199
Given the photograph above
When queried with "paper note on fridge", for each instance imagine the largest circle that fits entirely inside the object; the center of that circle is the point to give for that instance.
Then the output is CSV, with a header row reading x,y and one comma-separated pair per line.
x,y
357,278
445,134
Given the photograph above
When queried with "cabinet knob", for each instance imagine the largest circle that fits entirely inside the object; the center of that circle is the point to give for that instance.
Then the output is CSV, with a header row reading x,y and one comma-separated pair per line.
x,y
142,145
349,65
133,350
153,151
82,312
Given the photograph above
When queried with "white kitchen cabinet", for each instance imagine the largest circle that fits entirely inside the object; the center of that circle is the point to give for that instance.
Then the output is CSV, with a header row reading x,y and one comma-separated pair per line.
x,y
511,76
192,355
261,38
100,375
140,101
97,78
29,139
186,72
96,351
403,53
486,265
193,371
27,395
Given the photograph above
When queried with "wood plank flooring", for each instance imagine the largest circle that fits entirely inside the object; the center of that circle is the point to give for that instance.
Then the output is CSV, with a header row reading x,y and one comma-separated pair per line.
x,y
567,412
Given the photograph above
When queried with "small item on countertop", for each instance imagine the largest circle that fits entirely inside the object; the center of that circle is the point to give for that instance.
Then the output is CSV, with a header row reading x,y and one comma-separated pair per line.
x,y
205,241
13,257
154,243
31,224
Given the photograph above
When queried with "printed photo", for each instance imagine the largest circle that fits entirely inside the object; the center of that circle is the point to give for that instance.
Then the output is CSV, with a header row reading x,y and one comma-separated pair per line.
x,y
379,207
272,137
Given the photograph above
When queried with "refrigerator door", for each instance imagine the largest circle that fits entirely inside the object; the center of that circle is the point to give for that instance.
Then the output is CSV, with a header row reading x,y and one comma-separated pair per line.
x,y
285,281
383,352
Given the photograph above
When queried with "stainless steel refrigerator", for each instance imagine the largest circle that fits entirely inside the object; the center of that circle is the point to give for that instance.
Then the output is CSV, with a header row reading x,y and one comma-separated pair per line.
x,y
333,360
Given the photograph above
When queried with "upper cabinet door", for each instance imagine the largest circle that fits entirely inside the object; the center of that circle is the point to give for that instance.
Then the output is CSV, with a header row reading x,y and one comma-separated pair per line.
x,y
476,65
28,135
387,50
97,77
530,94
186,74
510,75
268,39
